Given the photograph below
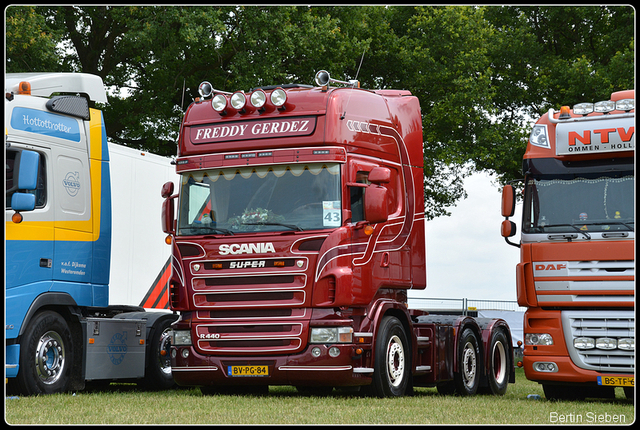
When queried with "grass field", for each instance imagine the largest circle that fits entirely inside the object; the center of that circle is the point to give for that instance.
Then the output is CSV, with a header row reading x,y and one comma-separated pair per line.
x,y
125,404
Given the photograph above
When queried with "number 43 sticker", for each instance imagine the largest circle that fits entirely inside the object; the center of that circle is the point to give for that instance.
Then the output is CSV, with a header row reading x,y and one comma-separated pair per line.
x,y
331,214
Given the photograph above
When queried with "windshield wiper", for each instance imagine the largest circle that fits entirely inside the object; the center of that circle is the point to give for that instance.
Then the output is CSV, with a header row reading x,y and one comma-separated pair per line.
x,y
575,227
221,230
626,224
291,226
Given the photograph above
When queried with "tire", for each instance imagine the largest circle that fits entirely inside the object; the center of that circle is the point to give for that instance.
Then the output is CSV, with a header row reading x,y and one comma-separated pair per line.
x,y
46,356
157,374
467,378
499,363
392,367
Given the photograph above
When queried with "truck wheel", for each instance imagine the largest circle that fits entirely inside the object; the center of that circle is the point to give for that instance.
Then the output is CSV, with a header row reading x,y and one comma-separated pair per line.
x,y
500,363
157,374
467,377
392,365
45,355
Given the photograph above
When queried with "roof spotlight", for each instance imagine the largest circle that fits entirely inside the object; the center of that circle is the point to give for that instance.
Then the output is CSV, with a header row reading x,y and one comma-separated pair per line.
x,y
238,100
278,97
219,103
258,98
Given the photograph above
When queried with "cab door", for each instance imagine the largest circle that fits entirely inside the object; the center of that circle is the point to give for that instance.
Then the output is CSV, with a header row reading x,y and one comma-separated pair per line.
x,y
29,243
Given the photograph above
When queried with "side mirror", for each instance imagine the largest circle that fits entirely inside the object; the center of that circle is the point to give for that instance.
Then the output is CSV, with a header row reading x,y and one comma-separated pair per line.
x,y
28,173
508,201
167,190
380,175
375,204
168,208
167,216
508,228
23,202
28,166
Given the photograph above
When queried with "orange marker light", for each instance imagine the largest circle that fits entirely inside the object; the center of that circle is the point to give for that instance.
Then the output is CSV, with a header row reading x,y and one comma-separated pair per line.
x,y
24,88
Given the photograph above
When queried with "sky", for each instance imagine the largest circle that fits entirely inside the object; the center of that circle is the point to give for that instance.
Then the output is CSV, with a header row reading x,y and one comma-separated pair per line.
x,y
466,255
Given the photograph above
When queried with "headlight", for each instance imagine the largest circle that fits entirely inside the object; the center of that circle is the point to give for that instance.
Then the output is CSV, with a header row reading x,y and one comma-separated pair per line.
x,y
331,335
538,339
238,100
606,343
181,338
540,366
583,108
258,98
219,103
584,343
278,97
627,344
538,136
604,106
626,104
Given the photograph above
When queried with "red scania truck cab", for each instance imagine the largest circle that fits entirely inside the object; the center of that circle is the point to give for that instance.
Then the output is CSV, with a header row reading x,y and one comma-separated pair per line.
x,y
577,269
299,229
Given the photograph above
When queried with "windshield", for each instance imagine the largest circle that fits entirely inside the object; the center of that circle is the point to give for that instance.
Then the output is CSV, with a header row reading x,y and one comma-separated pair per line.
x,y
261,198
599,204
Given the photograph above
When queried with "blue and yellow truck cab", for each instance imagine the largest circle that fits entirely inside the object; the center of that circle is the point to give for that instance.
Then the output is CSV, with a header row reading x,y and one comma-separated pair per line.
x,y
60,330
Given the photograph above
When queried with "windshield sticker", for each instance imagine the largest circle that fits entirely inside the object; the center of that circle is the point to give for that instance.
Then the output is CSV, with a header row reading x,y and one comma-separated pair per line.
x,y
331,214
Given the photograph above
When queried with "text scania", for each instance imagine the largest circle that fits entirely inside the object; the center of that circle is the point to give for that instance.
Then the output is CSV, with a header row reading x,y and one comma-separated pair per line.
x,y
246,248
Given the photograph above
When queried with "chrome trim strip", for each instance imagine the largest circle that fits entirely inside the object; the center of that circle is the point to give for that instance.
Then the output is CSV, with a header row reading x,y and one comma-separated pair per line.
x,y
584,285
320,368
363,370
193,369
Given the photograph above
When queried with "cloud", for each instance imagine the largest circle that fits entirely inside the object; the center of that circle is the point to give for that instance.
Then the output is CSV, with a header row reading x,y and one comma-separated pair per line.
x,y
466,255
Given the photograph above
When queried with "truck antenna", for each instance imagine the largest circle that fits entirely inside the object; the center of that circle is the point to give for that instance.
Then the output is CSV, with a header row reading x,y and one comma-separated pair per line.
x,y
358,83
184,83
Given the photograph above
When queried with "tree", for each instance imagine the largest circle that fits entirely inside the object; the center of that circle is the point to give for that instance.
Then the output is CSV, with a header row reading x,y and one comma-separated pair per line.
x,y
481,73
30,44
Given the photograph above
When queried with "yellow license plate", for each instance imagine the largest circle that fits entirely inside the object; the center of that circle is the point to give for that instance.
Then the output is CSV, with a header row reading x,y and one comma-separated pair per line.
x,y
616,381
248,370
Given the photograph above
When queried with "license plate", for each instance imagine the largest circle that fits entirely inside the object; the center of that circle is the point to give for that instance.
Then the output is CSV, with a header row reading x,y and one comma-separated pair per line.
x,y
616,381
248,370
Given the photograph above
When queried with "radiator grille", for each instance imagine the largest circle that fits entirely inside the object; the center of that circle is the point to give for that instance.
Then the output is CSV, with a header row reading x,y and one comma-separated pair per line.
x,y
595,325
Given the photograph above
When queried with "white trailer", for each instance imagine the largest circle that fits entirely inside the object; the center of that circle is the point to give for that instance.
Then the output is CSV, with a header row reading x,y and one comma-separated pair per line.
x,y
139,255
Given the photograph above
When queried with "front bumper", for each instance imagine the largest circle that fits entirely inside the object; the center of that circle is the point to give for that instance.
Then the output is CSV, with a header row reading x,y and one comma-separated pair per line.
x,y
300,369
567,372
